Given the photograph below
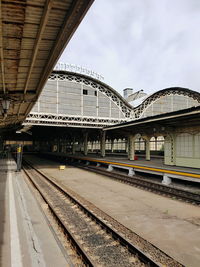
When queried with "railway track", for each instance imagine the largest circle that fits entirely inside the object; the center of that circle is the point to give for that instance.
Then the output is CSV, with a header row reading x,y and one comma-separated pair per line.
x,y
152,186
94,238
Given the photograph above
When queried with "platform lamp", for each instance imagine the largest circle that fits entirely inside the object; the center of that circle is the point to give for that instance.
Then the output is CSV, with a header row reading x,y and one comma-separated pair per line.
x,y
5,105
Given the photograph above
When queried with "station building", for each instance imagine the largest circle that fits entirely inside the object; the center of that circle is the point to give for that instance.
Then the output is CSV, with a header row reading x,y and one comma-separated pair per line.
x,y
84,106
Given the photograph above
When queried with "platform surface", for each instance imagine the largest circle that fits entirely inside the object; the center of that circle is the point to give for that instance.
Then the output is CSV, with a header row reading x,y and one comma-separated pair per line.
x,y
25,238
171,225
154,162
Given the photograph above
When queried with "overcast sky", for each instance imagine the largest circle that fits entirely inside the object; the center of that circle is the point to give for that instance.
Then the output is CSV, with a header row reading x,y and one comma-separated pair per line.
x,y
142,44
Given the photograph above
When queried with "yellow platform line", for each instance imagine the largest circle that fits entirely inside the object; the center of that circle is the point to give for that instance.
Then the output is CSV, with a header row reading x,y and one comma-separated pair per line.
x,y
142,167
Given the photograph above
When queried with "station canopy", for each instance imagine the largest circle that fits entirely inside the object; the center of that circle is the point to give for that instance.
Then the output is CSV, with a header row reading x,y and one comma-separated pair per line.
x,y
162,123
33,34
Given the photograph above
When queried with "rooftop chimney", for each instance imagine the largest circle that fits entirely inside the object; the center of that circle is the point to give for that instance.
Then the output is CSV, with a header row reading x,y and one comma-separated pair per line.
x,y
127,92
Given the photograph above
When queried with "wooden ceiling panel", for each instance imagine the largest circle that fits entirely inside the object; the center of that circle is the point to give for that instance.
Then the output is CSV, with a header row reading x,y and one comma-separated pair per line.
x,y
62,5
11,43
24,75
13,32
42,53
30,31
46,45
25,53
33,15
11,54
25,62
40,3
27,43
13,13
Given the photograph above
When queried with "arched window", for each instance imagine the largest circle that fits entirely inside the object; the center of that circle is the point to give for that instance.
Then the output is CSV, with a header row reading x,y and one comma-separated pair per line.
x,y
139,144
153,143
160,143
108,144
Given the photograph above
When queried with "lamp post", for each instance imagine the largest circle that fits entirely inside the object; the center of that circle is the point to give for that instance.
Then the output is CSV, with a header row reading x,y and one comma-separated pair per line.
x,y
19,158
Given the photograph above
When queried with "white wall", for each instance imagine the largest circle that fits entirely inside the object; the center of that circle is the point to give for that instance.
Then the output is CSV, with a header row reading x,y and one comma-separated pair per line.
x,y
187,150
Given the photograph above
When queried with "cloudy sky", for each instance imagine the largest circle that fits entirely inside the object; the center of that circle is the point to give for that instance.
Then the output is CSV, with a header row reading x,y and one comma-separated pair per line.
x,y
142,44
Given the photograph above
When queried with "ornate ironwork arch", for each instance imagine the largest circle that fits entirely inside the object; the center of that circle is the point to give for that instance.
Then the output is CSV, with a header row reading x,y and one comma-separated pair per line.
x,y
168,91
122,104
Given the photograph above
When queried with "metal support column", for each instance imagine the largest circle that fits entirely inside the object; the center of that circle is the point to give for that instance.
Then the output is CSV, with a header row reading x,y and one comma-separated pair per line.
x,y
85,144
131,147
73,147
92,146
148,156
126,146
156,143
103,144
112,145
173,149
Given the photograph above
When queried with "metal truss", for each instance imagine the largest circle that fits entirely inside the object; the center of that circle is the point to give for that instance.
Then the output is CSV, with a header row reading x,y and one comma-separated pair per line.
x,y
138,111
129,112
124,106
74,121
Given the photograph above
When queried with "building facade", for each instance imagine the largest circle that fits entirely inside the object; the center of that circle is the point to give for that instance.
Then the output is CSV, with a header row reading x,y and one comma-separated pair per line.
x,y
73,99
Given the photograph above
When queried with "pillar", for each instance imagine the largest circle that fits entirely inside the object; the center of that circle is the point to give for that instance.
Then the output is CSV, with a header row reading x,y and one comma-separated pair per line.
x,y
62,149
147,148
19,157
131,151
58,145
126,146
85,144
173,149
131,172
110,168
156,146
103,143
112,145
73,147
166,180
80,145
92,143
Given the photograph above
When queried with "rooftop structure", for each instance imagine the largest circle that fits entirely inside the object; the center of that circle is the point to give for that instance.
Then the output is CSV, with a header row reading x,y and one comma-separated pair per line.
x,y
78,100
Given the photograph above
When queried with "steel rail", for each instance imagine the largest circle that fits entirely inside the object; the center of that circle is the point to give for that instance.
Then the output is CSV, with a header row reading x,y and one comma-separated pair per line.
x,y
86,259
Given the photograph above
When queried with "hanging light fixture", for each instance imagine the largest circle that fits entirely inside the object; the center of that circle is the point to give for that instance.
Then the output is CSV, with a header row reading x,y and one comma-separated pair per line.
x,y
5,105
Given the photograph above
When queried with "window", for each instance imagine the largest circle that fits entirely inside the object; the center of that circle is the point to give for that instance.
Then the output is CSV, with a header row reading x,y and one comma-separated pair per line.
x,y
85,92
95,93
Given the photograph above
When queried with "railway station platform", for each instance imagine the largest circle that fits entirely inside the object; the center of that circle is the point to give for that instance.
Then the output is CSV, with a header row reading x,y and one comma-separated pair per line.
x,y
169,224
155,166
25,238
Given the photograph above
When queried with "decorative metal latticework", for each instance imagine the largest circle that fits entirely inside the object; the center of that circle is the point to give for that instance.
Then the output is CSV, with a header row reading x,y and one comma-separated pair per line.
x,y
57,93
59,120
139,110
102,87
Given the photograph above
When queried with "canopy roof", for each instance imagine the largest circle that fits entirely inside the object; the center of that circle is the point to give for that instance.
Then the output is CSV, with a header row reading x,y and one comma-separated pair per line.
x,y
33,35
